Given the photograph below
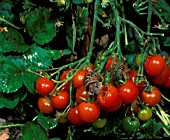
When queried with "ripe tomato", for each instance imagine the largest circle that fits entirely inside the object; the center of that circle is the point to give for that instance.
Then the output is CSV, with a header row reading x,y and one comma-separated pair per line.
x,y
167,83
132,74
45,105
161,78
129,92
88,68
73,116
44,86
109,62
78,78
89,112
81,93
66,86
145,114
108,96
150,98
61,100
114,107
154,65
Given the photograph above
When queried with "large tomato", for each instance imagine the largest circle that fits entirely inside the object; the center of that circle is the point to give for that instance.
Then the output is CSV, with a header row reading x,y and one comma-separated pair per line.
x,y
89,112
109,62
129,92
162,77
150,98
61,100
44,86
132,74
81,93
114,107
108,96
45,105
66,86
154,65
78,78
73,116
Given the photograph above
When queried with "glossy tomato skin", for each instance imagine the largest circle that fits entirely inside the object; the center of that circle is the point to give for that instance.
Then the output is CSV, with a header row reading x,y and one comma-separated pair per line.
x,y
150,98
73,116
138,59
166,84
162,77
132,74
45,105
78,78
114,107
108,97
61,100
154,65
129,92
89,112
81,93
145,114
109,62
66,86
44,86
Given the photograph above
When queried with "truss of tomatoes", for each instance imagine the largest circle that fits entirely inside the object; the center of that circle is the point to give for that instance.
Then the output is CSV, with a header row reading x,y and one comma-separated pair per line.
x,y
111,97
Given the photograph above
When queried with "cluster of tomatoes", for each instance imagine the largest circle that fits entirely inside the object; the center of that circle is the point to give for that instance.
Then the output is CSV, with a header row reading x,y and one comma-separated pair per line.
x,y
86,107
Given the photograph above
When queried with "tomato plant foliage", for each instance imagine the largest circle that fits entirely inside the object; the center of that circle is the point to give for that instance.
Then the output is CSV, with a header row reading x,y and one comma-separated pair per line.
x,y
50,37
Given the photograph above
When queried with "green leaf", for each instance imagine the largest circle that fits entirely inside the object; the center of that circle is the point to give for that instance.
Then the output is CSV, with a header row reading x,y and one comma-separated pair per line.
x,y
66,51
12,41
40,25
5,10
165,9
33,131
55,54
166,41
47,122
78,1
8,102
28,4
29,80
38,58
55,139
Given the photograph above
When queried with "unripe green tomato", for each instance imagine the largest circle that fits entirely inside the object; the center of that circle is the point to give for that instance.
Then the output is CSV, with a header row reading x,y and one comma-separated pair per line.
x,y
138,59
99,123
145,114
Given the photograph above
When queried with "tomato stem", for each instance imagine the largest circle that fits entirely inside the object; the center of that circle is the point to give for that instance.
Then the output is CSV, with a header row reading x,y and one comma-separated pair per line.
x,y
11,125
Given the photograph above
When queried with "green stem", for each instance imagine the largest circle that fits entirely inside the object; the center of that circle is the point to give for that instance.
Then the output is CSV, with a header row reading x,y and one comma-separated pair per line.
x,y
9,23
11,125
149,17
96,5
138,30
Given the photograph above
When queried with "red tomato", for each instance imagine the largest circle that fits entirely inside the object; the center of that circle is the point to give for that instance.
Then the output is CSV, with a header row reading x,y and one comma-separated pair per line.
x,y
61,100
89,112
154,65
109,62
151,98
73,116
108,96
167,83
129,92
114,107
132,74
44,86
78,78
161,78
45,105
81,93
88,68
66,86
